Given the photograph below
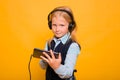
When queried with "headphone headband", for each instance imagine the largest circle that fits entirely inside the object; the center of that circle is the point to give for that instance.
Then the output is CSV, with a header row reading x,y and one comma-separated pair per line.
x,y
62,10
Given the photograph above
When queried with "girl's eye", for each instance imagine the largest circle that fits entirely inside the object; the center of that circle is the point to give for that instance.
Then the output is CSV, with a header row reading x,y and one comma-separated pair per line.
x,y
62,25
53,24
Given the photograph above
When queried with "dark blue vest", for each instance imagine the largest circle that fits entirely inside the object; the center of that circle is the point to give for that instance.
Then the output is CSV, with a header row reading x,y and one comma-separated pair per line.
x,y
62,48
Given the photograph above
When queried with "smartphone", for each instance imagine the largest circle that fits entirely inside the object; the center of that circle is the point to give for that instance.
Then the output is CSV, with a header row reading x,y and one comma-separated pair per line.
x,y
39,52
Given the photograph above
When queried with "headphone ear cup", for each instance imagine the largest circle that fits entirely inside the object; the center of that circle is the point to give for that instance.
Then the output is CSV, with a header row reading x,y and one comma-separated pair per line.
x,y
71,27
50,24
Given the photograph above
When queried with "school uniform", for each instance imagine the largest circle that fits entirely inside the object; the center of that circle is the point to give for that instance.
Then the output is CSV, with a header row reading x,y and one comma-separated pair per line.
x,y
69,50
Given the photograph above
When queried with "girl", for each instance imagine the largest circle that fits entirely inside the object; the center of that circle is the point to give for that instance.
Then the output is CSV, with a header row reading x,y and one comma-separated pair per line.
x,y
61,22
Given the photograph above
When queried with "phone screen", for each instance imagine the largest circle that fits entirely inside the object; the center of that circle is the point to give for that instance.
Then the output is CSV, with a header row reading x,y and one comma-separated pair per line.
x,y
38,52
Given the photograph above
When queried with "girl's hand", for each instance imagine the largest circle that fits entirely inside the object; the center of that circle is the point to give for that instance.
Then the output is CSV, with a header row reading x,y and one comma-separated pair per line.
x,y
52,61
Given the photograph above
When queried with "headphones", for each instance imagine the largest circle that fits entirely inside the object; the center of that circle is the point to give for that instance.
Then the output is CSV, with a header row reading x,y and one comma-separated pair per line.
x,y
72,24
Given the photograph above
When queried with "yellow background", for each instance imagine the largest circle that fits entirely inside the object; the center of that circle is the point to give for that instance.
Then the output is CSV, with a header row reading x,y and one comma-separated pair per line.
x,y
23,26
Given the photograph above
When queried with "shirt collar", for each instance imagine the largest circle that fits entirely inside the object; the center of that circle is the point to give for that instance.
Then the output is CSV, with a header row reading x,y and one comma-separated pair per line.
x,y
63,39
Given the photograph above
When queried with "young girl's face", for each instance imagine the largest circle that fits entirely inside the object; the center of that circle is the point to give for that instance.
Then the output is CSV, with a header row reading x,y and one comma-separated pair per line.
x,y
59,26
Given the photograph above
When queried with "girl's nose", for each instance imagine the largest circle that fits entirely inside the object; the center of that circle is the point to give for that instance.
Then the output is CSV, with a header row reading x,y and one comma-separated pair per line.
x,y
57,28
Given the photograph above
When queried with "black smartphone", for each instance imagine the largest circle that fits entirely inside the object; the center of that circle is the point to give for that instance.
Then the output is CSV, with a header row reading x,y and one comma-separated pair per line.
x,y
38,52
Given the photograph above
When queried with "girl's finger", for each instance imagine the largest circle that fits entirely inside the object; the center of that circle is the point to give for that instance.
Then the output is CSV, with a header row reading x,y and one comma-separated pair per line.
x,y
52,54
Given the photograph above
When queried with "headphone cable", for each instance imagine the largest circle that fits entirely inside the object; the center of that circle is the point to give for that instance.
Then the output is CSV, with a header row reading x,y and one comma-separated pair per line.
x,y
29,66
